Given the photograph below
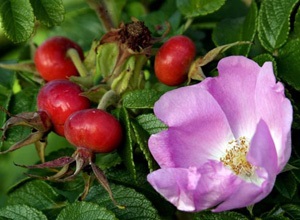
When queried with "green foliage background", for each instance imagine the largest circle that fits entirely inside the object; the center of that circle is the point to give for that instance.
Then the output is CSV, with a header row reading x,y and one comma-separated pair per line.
x,y
273,27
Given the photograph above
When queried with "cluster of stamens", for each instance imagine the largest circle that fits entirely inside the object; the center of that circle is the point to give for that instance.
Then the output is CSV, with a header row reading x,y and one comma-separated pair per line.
x,y
235,157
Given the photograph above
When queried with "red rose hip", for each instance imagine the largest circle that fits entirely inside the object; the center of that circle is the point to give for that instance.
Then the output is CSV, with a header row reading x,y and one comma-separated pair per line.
x,y
173,60
93,129
51,59
59,99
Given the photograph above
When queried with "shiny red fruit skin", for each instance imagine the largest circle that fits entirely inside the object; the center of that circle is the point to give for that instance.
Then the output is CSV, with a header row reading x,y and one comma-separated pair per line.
x,y
51,59
59,99
173,60
93,129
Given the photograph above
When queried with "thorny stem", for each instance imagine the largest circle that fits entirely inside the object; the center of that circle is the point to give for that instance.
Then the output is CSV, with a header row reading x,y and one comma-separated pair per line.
x,y
73,54
107,99
102,11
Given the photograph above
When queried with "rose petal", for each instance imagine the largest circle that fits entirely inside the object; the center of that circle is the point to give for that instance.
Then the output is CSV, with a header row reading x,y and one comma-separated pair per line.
x,y
245,194
262,152
191,189
180,107
176,185
198,129
234,91
276,111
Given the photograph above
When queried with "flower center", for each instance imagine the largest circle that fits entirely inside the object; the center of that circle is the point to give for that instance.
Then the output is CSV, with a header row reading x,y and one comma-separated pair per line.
x,y
235,157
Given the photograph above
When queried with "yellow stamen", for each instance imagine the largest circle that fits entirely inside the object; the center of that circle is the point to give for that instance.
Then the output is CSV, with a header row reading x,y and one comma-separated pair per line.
x,y
235,157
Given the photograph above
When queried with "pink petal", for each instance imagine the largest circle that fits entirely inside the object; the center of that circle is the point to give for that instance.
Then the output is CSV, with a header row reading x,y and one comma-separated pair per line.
x,y
191,189
276,111
176,185
234,91
198,129
245,194
262,152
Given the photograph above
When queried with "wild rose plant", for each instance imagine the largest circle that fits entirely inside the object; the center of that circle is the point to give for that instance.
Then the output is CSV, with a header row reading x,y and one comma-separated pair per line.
x,y
222,143
228,138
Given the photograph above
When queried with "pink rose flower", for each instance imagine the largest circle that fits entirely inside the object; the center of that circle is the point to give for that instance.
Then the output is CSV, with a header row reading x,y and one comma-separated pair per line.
x,y
228,138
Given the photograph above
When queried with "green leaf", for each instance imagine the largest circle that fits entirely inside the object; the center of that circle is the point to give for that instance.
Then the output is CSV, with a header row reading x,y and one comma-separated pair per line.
x,y
193,8
71,190
17,19
151,123
135,9
50,13
286,185
21,212
167,13
37,194
80,24
265,57
105,161
296,30
7,79
237,29
141,99
119,175
274,22
137,206
85,210
142,137
126,151
23,101
277,217
296,174
220,216
288,62
292,210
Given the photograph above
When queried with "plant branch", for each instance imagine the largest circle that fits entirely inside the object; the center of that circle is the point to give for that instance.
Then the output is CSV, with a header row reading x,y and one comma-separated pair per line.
x,y
102,11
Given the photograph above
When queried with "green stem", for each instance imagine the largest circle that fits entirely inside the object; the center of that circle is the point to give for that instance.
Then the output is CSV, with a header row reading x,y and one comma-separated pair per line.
x,y
138,77
101,10
73,54
27,66
107,99
187,24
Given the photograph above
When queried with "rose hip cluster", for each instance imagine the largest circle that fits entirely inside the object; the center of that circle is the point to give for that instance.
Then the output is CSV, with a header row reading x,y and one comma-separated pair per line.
x,y
63,109
72,117
70,112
